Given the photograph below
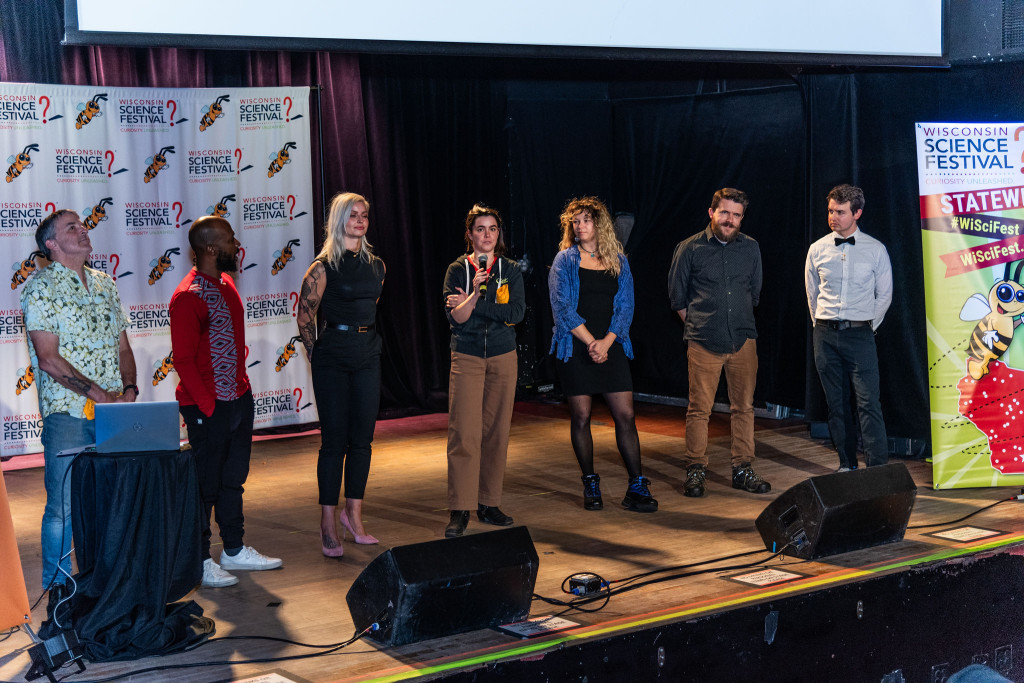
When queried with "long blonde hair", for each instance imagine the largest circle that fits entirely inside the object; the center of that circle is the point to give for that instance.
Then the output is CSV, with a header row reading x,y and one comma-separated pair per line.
x,y
334,229
608,245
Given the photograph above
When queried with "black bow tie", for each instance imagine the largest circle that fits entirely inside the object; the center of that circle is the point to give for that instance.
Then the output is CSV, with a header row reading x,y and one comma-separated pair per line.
x,y
848,240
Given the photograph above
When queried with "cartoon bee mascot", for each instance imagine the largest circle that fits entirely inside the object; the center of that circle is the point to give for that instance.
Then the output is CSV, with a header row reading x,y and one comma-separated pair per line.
x,y
998,314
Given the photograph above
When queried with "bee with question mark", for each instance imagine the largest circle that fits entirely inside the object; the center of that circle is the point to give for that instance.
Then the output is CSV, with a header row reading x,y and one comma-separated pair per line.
x,y
157,163
162,265
23,269
88,110
163,368
97,213
285,353
221,208
281,258
212,112
999,314
21,162
280,159
28,376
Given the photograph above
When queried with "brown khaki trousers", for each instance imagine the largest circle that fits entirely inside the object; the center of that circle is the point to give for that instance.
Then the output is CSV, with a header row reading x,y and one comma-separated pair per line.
x,y
481,393
705,371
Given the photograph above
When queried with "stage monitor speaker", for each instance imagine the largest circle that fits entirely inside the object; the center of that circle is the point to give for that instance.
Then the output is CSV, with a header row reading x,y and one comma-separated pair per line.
x,y
837,513
439,588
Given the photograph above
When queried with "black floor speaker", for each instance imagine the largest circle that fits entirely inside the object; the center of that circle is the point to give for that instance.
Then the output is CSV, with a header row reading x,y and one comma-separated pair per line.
x,y
837,513
438,588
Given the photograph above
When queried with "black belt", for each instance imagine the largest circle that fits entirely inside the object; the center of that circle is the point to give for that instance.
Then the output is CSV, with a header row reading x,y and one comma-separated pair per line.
x,y
841,324
351,328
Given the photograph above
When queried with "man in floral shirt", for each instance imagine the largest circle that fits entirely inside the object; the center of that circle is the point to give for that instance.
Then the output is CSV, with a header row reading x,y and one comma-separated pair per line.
x,y
77,338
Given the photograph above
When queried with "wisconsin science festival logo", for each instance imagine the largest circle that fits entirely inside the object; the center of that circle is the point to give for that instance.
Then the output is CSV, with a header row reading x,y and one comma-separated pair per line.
x,y
83,165
151,218
12,326
271,309
279,403
135,115
214,165
20,219
265,113
25,112
266,211
21,428
150,320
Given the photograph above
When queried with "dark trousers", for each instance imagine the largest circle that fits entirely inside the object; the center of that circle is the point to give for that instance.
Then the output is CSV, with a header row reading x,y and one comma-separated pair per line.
x,y
221,445
346,382
847,358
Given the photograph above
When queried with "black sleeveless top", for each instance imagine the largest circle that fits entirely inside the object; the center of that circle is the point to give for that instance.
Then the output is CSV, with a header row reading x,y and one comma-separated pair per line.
x,y
350,297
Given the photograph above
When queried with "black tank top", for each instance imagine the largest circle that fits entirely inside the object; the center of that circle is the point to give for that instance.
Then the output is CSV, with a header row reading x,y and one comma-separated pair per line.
x,y
350,297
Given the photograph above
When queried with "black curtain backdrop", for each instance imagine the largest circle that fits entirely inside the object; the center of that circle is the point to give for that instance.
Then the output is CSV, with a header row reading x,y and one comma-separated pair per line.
x,y
425,137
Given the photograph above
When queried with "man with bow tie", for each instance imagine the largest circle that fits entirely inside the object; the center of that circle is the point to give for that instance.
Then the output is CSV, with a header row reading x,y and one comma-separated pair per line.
x,y
849,288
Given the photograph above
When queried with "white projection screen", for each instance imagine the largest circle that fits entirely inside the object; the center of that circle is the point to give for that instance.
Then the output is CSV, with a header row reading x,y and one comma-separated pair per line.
x,y
870,32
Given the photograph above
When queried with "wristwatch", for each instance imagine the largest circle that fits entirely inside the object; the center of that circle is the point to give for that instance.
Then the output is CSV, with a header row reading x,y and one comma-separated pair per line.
x,y
132,387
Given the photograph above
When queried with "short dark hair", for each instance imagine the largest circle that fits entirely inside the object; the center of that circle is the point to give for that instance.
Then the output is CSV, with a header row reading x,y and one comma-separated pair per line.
x,y
733,195
481,209
847,193
46,231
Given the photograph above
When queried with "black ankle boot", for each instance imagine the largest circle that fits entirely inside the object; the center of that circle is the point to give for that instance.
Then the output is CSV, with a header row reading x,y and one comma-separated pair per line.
x,y
592,492
457,524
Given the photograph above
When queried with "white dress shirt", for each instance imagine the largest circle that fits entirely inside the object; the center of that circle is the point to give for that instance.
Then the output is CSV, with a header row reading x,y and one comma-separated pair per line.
x,y
849,281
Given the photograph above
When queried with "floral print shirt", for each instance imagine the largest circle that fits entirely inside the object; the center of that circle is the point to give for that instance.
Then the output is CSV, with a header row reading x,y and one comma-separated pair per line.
x,y
88,324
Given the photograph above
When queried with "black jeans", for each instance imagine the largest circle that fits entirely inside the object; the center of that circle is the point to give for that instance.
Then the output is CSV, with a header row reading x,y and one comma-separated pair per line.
x,y
846,358
346,382
221,445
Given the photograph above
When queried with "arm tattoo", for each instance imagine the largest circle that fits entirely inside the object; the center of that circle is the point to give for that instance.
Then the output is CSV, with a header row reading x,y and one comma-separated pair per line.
x,y
308,297
79,384
309,302
308,334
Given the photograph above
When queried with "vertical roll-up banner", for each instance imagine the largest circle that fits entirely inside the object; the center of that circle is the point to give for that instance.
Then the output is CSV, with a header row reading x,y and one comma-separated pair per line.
x,y
139,165
972,232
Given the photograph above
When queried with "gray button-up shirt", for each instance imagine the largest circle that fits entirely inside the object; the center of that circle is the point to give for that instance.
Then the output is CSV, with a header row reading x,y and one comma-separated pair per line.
x,y
718,285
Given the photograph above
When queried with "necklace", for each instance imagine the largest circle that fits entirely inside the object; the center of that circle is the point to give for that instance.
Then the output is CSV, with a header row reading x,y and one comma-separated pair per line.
x,y
593,254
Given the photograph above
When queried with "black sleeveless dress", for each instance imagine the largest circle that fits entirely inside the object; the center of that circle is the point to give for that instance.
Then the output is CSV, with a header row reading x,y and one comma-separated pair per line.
x,y
580,375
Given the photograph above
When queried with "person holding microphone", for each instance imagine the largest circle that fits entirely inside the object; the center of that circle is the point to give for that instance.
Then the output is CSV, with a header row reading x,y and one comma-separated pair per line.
x,y
484,299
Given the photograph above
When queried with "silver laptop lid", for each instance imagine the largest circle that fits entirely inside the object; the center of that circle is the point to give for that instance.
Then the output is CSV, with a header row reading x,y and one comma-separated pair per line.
x,y
137,427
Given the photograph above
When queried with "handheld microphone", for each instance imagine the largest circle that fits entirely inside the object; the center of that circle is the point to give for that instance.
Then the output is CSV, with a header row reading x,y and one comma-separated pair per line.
x,y
483,266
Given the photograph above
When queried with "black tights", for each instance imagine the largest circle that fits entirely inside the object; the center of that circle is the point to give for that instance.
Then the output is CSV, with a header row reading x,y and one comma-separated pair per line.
x,y
621,405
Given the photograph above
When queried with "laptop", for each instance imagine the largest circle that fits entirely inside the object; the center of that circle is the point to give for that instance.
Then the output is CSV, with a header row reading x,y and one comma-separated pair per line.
x,y
137,427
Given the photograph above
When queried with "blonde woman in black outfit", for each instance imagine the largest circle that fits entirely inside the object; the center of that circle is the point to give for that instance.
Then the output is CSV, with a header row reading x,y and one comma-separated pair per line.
x,y
345,281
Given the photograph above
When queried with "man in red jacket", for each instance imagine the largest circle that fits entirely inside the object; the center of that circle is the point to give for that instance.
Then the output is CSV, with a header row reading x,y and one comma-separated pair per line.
x,y
208,344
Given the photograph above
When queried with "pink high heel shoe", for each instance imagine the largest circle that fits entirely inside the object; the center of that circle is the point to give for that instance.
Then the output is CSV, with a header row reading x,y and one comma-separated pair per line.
x,y
336,551
361,539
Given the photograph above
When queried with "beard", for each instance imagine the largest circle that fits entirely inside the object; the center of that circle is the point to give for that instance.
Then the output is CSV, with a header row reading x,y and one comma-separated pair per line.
x,y
721,234
227,263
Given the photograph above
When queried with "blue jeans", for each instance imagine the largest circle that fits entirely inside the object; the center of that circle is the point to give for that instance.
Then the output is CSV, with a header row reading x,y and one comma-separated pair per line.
x,y
60,431
847,358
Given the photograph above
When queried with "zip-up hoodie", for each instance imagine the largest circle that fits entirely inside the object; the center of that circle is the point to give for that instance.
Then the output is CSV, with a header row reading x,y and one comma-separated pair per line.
x,y
490,330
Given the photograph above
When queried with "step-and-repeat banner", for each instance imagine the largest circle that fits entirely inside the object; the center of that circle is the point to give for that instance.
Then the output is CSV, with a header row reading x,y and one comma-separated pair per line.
x,y
139,165
972,233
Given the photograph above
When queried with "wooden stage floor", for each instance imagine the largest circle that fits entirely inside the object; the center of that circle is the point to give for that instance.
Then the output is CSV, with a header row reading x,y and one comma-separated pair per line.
x,y
405,503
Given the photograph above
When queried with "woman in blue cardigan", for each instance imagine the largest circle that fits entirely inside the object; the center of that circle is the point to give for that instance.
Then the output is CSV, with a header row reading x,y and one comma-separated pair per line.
x,y
591,292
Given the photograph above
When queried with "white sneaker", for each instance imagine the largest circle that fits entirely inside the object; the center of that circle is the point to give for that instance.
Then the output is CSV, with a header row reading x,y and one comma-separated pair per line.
x,y
215,577
249,558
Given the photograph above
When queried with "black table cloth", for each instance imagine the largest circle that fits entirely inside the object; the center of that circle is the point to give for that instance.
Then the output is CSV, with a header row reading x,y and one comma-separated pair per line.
x,y
136,521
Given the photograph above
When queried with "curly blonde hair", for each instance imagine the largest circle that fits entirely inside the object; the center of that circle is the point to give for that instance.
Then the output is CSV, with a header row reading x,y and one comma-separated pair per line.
x,y
608,245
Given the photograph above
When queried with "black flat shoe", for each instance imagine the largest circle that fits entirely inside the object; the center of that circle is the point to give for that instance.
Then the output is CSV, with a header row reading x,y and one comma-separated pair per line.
x,y
457,524
490,514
